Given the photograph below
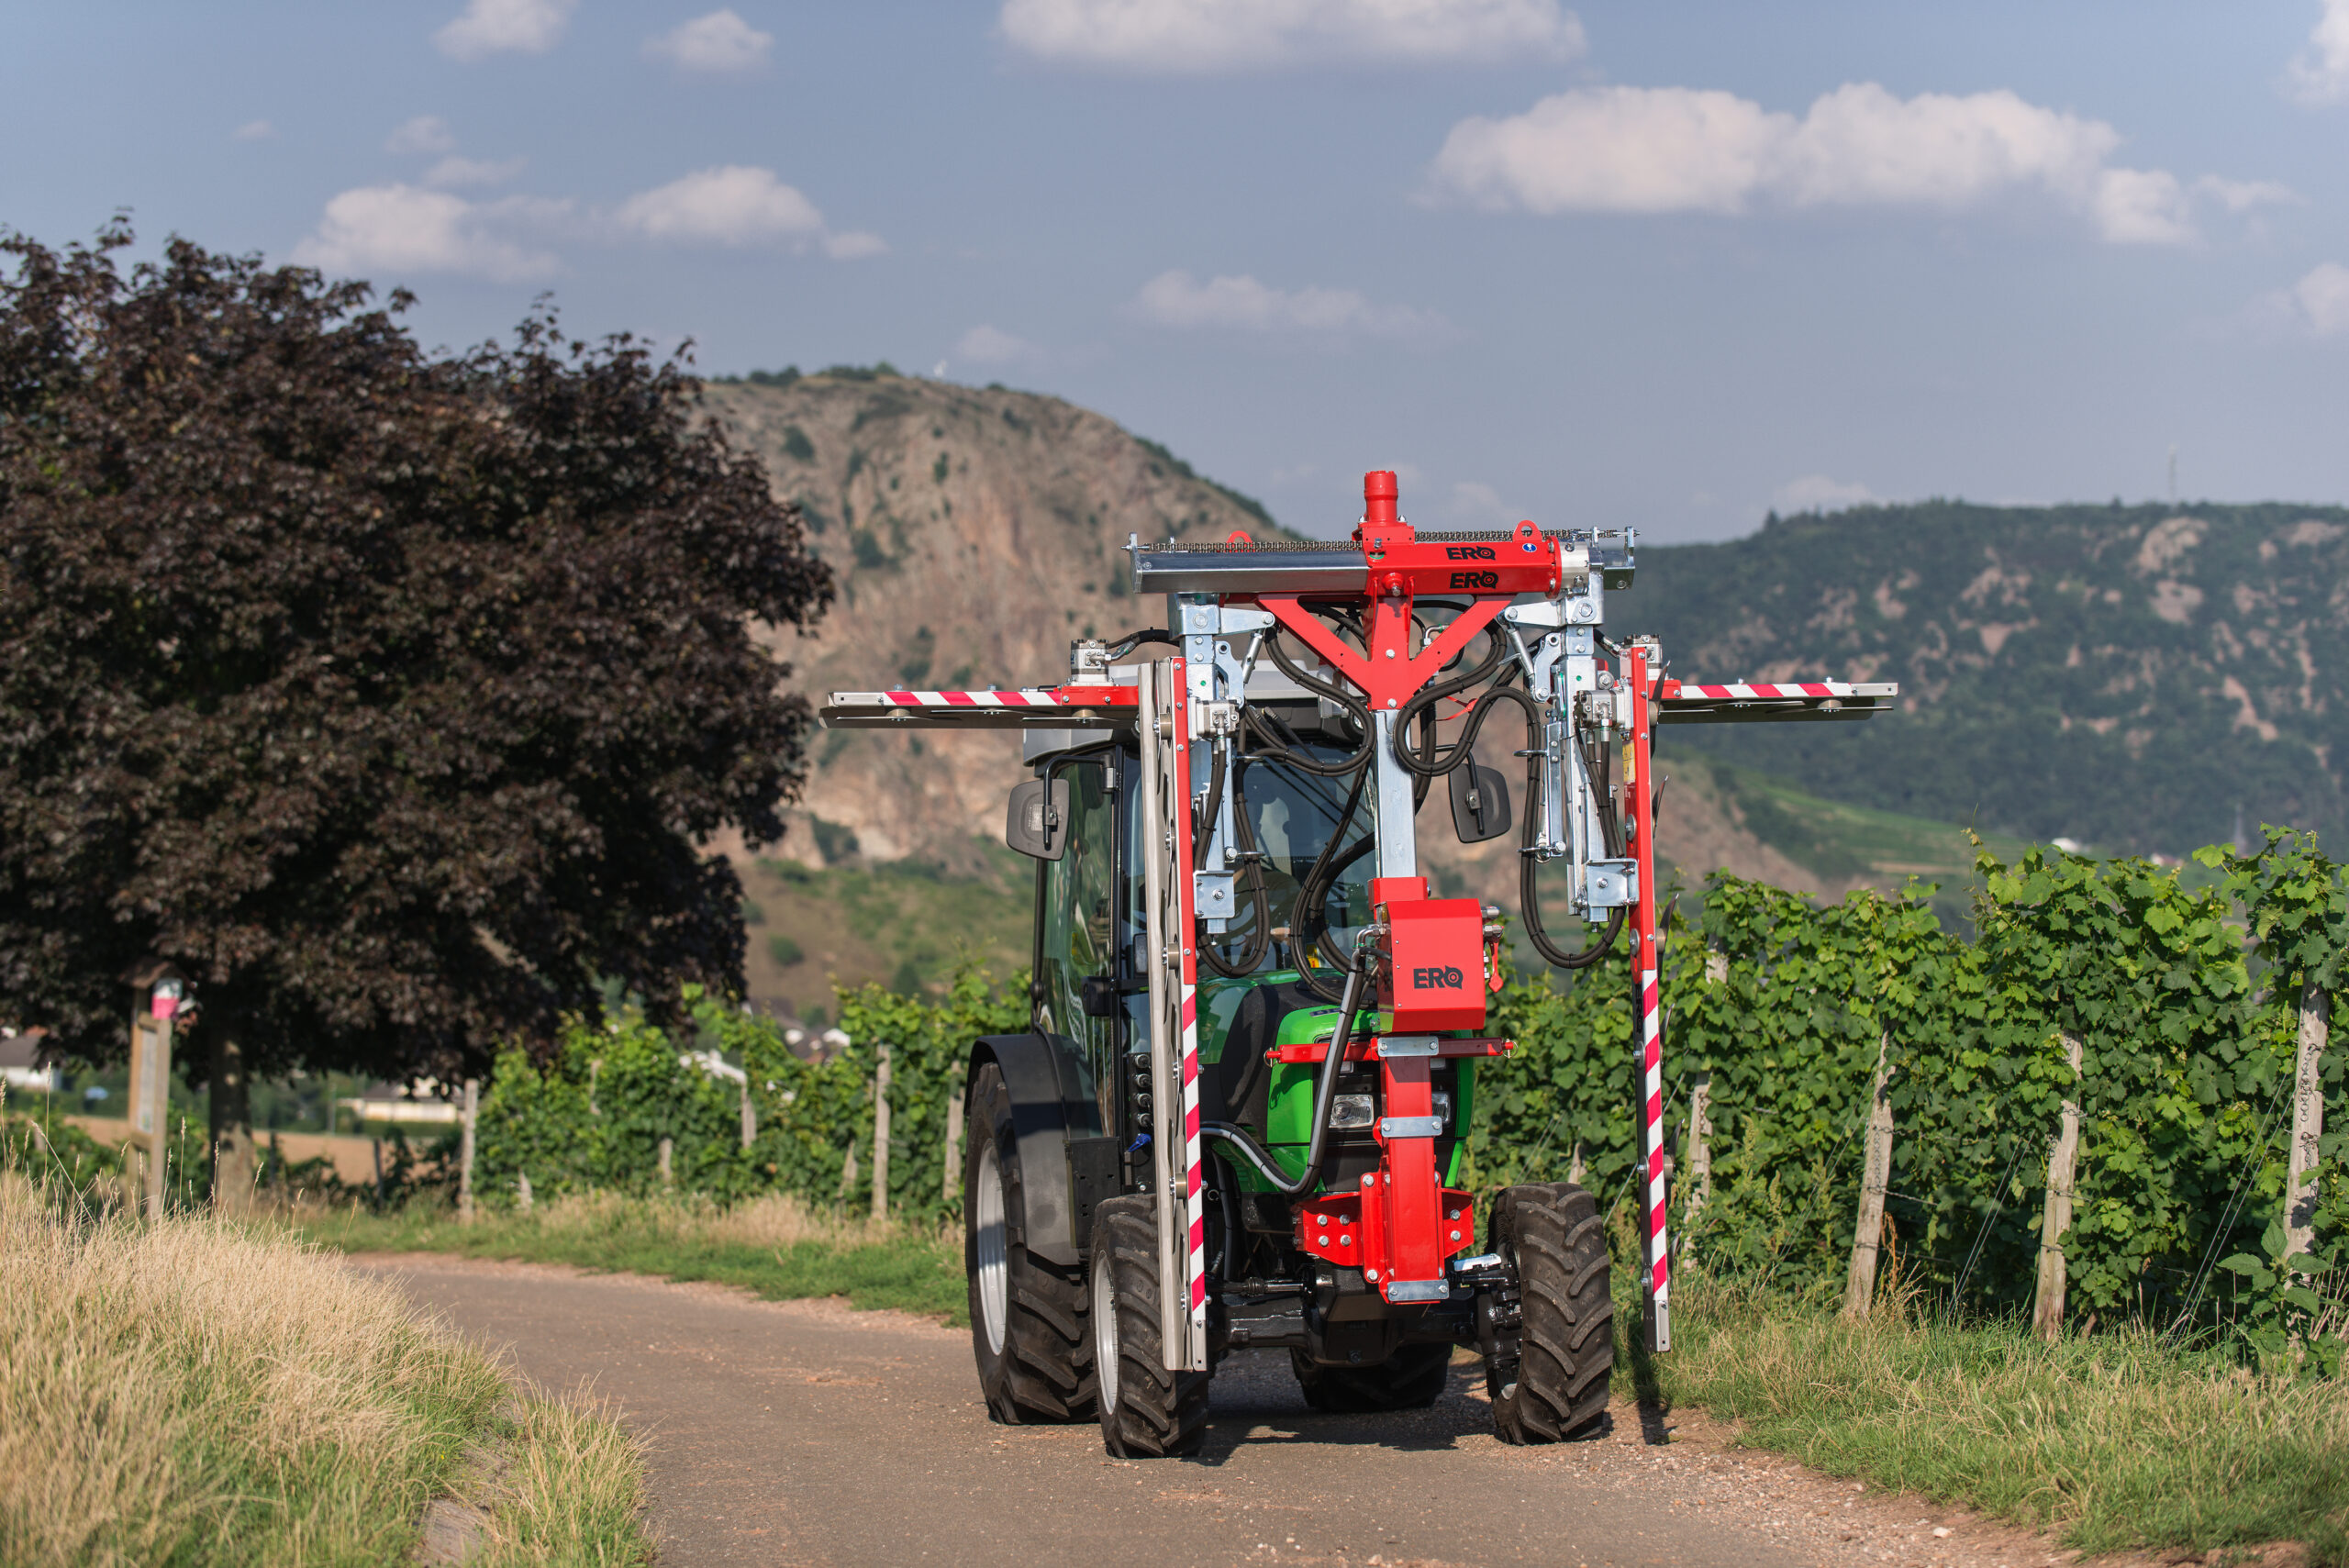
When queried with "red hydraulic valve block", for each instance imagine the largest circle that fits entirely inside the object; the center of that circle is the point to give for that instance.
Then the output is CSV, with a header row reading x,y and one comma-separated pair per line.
x,y
1431,968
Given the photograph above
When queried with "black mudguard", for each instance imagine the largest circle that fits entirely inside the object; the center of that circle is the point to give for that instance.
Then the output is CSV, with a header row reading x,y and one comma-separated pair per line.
x,y
1041,1212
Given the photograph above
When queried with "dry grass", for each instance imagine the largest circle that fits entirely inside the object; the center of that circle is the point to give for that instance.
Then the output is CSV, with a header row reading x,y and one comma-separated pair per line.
x,y
186,1392
570,1493
773,1220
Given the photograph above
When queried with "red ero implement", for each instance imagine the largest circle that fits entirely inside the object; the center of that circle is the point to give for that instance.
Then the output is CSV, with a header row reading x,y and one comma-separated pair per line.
x,y
1238,1116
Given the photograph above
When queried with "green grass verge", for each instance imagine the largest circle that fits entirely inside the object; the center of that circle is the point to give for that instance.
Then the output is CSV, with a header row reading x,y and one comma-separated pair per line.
x,y
769,1248
2111,1441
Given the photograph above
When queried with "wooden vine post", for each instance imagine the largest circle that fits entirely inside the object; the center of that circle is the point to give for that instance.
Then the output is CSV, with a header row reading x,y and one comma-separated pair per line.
x,y
2047,1308
2308,1121
953,1144
1699,1184
1700,1155
881,1133
750,1116
465,1152
1859,1290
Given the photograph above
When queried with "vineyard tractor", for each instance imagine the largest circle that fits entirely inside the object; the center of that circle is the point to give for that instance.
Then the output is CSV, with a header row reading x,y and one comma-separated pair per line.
x,y
1238,1117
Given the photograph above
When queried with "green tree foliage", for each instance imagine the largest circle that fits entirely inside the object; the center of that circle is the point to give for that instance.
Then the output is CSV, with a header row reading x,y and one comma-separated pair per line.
x,y
593,1115
392,694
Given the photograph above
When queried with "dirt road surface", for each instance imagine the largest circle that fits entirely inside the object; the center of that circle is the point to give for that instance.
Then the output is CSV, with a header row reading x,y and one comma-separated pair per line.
x,y
802,1432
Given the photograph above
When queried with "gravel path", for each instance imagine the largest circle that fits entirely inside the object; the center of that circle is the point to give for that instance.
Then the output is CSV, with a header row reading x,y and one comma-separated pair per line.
x,y
802,1432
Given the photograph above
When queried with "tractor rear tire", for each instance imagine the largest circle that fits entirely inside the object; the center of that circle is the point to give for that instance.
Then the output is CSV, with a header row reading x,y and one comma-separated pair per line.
x,y
1410,1379
1147,1412
1566,1335
1029,1328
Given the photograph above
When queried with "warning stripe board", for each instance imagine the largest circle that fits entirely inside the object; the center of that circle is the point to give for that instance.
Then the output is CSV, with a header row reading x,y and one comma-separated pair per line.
x,y
1003,707
1740,702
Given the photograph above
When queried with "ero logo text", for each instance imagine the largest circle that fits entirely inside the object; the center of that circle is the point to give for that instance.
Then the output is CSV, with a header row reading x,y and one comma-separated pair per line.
x,y
1468,552
1476,580
1440,977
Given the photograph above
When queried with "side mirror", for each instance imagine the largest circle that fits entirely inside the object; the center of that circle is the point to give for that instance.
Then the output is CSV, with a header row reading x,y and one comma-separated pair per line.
x,y
1038,824
1479,802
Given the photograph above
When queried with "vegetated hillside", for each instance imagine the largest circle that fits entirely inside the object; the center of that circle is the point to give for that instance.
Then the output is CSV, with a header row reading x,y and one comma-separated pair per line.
x,y
974,533
2130,677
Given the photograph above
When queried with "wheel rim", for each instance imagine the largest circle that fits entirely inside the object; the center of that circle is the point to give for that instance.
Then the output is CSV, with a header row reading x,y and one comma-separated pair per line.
x,y
987,1239
1103,1307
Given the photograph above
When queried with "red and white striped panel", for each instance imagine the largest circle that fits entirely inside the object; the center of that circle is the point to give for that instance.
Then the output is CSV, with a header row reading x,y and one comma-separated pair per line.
x,y
1652,1059
1026,697
1763,693
1195,1263
1193,1162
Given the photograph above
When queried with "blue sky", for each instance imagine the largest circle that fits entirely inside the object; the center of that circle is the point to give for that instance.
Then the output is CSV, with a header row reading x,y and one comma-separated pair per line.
x,y
1665,265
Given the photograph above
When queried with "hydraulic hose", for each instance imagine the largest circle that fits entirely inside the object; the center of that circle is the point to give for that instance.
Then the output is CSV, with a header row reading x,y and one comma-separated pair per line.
x,y
1304,761
1325,1090
1134,640
1528,892
1260,932
1307,928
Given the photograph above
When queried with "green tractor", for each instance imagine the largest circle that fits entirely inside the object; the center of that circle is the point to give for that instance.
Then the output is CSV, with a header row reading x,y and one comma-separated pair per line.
x,y
1238,1117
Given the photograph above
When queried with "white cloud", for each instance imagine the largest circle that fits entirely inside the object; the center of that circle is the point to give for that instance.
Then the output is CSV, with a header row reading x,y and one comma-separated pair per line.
x,y
719,43
403,228
738,205
1180,36
254,131
454,171
1654,149
492,26
2322,299
2320,74
1859,144
1242,303
992,346
2244,196
2142,206
1616,149
425,133
1817,492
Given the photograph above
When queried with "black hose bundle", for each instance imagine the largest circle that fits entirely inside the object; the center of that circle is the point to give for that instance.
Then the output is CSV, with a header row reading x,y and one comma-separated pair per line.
x,y
1244,830
1528,892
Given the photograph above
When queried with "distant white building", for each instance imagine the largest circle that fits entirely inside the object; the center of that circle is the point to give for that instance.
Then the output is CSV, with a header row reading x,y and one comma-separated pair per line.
x,y
21,1063
424,1101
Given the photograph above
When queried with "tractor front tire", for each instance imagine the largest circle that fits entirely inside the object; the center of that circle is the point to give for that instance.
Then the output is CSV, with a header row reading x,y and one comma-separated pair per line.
x,y
1566,1334
1410,1379
1029,1328
1147,1412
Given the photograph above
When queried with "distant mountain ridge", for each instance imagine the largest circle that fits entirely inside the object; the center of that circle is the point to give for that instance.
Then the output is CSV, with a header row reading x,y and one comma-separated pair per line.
x,y
2129,676
2125,677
